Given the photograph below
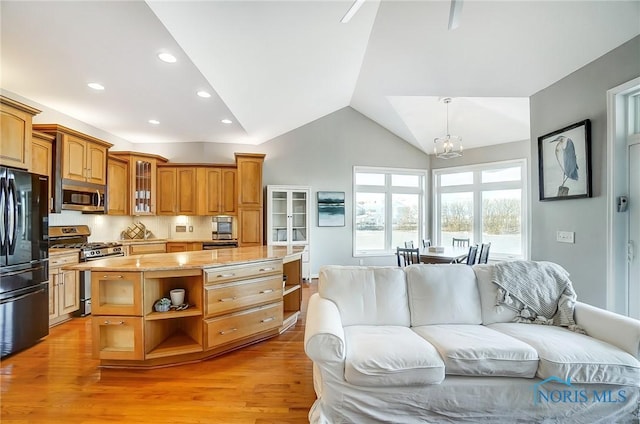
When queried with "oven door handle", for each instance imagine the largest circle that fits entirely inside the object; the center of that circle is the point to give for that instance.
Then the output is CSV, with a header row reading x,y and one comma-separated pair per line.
x,y
98,198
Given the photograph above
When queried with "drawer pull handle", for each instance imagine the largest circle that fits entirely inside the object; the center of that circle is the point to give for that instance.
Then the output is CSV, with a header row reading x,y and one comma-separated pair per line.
x,y
223,332
227,299
112,276
266,291
267,269
268,319
113,323
226,275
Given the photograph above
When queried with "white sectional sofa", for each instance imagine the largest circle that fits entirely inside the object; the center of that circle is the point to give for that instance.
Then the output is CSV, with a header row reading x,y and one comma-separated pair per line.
x,y
427,344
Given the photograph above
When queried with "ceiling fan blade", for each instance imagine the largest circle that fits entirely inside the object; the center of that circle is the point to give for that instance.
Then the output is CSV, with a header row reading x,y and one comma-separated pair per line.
x,y
454,14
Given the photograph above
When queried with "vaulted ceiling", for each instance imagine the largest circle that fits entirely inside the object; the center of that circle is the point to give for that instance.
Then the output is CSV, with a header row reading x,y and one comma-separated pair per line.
x,y
272,66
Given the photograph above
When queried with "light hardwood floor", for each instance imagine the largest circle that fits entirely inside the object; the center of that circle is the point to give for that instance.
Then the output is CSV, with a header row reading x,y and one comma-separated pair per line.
x,y
57,381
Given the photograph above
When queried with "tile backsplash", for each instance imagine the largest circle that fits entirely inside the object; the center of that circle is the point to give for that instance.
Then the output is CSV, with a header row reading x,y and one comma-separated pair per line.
x,y
109,227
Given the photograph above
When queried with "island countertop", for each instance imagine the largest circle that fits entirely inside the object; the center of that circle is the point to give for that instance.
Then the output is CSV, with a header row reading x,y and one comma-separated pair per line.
x,y
191,260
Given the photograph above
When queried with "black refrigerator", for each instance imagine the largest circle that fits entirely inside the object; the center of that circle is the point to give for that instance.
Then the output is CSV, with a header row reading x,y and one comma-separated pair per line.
x,y
24,271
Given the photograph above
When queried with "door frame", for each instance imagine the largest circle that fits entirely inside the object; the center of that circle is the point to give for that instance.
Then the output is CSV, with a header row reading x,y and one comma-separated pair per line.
x,y
617,184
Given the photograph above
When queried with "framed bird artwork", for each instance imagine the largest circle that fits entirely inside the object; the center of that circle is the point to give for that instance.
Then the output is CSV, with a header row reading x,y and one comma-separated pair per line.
x,y
564,162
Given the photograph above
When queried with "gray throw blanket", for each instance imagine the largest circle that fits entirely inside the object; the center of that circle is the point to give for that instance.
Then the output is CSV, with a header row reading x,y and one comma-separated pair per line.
x,y
540,292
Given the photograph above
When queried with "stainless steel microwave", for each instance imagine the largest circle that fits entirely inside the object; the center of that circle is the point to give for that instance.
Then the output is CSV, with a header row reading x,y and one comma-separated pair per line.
x,y
86,200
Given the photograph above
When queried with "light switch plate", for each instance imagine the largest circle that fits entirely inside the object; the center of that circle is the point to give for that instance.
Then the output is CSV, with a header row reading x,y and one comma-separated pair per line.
x,y
565,236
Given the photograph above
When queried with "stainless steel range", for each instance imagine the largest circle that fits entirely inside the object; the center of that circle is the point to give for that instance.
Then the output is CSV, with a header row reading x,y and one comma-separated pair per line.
x,y
77,237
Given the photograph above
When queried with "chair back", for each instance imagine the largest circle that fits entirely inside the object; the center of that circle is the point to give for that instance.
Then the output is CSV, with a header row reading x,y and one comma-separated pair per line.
x,y
471,257
484,253
460,242
407,256
426,243
408,244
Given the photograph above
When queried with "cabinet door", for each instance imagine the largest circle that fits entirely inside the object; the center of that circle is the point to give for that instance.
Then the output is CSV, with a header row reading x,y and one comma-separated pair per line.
x,y
42,157
250,181
177,247
250,227
116,293
118,193
228,195
69,292
210,182
53,296
167,191
117,337
73,158
186,191
15,137
229,328
96,163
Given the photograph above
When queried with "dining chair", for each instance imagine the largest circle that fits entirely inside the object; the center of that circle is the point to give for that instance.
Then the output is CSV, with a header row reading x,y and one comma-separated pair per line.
x,y
426,242
470,258
483,258
460,242
407,256
408,244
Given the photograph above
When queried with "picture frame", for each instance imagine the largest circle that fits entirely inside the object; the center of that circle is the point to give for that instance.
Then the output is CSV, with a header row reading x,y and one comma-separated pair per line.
x,y
564,162
331,209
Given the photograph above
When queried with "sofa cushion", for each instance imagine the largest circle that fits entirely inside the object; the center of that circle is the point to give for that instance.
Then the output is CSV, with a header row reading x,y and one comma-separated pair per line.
x,y
366,295
491,313
478,350
381,356
566,354
443,294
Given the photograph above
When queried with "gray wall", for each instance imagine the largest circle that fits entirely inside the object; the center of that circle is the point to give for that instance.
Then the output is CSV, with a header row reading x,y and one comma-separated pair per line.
x,y
580,95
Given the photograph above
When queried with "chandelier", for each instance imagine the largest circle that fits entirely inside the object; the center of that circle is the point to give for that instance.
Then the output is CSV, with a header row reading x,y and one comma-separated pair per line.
x,y
449,146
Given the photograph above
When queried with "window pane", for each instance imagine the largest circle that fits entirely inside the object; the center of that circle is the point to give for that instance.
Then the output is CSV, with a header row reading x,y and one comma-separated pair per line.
x,y
500,175
370,221
459,178
405,180
456,217
501,213
365,178
405,219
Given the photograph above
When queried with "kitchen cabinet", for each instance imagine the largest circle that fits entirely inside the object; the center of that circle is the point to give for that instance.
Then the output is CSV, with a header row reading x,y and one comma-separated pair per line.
x,y
177,190
183,246
217,190
64,286
142,248
250,199
42,157
142,182
117,186
288,219
15,133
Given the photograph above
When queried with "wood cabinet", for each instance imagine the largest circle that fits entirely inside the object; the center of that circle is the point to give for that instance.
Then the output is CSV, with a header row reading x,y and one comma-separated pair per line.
x,y
177,190
15,133
292,292
183,246
117,186
42,157
139,248
217,190
64,287
250,199
142,183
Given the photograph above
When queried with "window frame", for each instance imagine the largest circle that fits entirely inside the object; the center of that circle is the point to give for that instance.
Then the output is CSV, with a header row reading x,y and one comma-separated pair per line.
x,y
389,190
477,188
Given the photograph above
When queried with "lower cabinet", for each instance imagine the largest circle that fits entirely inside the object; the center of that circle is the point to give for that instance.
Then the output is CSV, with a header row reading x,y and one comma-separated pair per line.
x,y
64,288
239,325
140,248
117,337
183,246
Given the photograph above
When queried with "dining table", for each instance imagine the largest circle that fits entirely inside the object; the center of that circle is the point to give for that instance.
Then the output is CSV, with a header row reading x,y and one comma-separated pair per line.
x,y
450,254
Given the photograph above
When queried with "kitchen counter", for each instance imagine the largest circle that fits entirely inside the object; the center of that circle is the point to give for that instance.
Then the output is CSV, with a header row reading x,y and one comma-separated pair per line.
x,y
192,260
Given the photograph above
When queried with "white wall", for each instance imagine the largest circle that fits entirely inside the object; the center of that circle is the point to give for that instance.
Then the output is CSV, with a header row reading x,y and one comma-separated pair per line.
x,y
581,95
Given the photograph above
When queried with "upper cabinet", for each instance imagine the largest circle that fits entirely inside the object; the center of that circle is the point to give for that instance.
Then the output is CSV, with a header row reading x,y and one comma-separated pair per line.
x,y
142,183
217,194
42,157
117,186
177,190
250,201
15,133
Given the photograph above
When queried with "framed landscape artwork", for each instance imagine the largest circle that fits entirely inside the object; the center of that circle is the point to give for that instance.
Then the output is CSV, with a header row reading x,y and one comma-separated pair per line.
x,y
331,209
564,162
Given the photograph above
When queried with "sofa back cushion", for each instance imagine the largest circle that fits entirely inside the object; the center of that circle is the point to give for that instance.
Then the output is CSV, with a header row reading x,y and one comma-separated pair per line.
x,y
366,295
443,294
491,313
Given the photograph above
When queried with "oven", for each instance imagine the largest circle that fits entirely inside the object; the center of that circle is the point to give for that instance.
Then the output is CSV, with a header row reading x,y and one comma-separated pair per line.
x,y
219,244
222,228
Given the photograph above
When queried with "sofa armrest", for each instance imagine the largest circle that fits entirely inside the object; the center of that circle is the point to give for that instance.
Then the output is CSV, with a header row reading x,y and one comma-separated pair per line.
x,y
610,327
323,333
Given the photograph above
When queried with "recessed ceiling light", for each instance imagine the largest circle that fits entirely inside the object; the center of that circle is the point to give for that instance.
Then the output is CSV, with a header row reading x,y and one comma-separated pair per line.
x,y
167,57
96,86
227,121
154,121
204,94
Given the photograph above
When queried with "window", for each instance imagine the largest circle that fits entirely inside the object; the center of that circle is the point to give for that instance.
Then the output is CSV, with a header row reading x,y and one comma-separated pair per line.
x,y
485,203
388,209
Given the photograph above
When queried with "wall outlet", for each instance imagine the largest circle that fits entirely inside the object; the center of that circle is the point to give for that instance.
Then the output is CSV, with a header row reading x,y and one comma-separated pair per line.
x,y
565,236
191,228
181,228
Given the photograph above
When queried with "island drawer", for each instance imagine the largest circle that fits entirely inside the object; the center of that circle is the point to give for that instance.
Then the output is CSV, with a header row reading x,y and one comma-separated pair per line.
x,y
228,297
238,272
227,329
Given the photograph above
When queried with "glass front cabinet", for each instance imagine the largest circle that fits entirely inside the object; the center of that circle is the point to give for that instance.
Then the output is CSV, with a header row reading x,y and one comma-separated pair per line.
x,y
288,219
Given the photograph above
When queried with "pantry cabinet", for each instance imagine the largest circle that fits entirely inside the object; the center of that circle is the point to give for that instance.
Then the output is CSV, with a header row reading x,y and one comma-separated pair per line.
x,y
142,183
15,133
250,199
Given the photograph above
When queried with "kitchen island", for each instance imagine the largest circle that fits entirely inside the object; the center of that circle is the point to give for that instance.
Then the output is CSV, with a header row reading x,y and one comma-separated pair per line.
x,y
235,297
